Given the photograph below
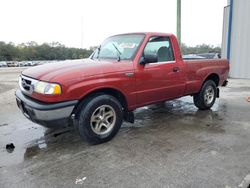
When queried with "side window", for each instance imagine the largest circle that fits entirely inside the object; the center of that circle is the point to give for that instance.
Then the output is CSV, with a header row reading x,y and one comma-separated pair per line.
x,y
160,49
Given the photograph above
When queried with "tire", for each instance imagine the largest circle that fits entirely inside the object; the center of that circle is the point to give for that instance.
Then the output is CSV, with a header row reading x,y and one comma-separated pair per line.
x,y
99,118
205,99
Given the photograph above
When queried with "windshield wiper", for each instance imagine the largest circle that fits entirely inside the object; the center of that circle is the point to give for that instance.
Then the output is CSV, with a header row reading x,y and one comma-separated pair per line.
x,y
119,53
98,52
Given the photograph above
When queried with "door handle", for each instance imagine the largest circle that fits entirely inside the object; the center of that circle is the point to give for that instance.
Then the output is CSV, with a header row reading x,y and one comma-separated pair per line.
x,y
176,69
129,74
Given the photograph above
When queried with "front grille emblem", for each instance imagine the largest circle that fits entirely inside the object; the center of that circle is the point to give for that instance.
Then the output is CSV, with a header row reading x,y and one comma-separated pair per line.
x,y
24,84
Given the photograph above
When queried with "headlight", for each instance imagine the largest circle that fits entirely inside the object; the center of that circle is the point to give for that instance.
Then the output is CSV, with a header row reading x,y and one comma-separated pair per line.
x,y
47,88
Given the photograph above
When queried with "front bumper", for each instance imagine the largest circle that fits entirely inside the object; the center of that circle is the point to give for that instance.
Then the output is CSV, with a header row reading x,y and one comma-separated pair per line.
x,y
45,114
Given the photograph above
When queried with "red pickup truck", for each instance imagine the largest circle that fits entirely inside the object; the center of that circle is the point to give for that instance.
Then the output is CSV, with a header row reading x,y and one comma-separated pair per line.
x,y
126,72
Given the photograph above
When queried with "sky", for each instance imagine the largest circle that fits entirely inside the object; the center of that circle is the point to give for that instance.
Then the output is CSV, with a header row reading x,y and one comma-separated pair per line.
x,y
85,23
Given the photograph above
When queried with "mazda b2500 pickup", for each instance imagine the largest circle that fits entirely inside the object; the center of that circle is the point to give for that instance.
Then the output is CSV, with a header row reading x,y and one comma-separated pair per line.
x,y
126,72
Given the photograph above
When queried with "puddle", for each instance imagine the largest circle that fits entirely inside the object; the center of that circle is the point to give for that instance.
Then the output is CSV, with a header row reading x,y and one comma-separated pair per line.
x,y
183,107
31,152
30,139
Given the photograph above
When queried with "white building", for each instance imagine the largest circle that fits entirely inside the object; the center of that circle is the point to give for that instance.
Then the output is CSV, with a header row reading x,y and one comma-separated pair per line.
x,y
236,37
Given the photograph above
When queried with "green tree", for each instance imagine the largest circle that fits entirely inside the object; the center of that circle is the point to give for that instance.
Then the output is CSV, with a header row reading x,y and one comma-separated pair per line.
x,y
198,49
46,51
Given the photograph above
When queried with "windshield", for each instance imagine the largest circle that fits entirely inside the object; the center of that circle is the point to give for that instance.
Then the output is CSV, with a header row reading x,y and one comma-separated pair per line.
x,y
120,47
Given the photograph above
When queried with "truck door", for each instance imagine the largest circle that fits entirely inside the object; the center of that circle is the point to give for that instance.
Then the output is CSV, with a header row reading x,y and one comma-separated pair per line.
x,y
160,76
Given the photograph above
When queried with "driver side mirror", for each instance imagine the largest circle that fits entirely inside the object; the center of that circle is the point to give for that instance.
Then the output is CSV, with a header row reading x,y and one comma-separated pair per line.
x,y
148,58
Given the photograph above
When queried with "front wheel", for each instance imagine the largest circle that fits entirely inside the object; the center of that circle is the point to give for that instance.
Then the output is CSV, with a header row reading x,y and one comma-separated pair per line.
x,y
100,119
205,99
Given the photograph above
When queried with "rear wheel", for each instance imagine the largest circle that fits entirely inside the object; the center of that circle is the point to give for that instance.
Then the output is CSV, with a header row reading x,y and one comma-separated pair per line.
x,y
100,118
205,99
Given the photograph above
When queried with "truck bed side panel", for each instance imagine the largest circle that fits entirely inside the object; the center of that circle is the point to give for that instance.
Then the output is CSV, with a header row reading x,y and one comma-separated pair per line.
x,y
197,72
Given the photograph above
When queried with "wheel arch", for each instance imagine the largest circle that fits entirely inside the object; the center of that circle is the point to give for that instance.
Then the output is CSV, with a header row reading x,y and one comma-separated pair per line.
x,y
213,76
107,90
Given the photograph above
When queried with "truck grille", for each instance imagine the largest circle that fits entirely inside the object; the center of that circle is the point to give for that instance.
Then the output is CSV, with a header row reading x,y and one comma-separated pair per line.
x,y
26,84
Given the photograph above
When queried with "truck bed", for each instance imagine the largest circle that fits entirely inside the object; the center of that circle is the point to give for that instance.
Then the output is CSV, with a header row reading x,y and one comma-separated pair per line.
x,y
197,71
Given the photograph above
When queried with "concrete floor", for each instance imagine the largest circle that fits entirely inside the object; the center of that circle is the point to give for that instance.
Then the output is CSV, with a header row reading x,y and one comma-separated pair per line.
x,y
170,145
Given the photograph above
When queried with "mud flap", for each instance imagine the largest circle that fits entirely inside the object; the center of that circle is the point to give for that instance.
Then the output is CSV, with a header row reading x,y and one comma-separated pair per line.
x,y
225,83
129,117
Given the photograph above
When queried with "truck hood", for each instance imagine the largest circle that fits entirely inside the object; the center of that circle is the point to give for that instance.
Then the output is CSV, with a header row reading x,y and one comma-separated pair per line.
x,y
72,69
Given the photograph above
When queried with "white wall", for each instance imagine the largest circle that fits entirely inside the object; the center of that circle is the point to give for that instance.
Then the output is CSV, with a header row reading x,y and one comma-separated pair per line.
x,y
225,32
240,40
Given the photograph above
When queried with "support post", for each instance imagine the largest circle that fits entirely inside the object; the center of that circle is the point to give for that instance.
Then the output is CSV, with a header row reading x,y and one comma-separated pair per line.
x,y
178,25
229,30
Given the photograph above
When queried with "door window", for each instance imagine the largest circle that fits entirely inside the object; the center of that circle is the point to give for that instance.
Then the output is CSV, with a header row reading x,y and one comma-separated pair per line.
x,y
160,49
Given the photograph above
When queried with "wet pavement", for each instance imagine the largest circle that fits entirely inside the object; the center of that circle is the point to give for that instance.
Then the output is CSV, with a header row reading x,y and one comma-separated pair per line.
x,y
171,144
